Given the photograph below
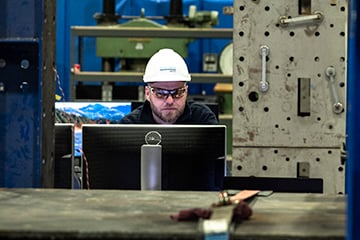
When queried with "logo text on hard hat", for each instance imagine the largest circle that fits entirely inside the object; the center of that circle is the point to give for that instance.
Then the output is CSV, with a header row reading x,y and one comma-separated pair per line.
x,y
168,69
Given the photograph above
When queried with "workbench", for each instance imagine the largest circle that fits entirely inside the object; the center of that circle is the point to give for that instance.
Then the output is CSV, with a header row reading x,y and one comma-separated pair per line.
x,y
117,214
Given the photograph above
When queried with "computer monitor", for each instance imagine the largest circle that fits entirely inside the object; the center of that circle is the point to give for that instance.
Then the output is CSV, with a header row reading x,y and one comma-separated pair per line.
x,y
92,112
64,155
193,156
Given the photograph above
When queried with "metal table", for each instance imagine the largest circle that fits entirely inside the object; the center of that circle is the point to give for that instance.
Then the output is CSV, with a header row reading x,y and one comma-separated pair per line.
x,y
117,214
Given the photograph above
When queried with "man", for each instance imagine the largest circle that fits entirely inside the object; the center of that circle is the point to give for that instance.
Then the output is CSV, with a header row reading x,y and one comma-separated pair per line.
x,y
166,75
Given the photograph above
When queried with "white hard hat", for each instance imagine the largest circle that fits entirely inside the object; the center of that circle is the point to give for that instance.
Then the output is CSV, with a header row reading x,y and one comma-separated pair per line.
x,y
166,66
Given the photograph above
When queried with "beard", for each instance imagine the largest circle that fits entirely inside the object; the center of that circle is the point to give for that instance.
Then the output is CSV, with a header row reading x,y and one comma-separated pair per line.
x,y
167,116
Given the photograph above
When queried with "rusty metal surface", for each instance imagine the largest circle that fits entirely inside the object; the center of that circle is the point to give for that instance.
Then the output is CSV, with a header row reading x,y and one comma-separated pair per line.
x,y
296,113
283,162
114,214
48,86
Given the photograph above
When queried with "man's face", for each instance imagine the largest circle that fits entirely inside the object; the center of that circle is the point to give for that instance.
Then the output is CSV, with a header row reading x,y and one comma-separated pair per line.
x,y
167,100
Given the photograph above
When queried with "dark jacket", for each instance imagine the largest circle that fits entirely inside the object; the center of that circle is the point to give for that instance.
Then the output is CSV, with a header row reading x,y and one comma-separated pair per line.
x,y
194,113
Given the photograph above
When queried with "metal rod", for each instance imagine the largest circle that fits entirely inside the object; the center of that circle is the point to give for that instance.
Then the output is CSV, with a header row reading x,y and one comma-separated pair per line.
x,y
264,52
109,6
317,17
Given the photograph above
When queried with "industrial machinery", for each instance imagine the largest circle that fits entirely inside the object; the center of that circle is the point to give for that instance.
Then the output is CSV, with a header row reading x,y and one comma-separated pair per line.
x,y
130,53
289,91
135,52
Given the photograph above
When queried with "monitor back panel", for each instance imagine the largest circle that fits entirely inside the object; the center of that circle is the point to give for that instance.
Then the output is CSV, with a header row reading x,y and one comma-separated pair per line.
x,y
64,149
193,156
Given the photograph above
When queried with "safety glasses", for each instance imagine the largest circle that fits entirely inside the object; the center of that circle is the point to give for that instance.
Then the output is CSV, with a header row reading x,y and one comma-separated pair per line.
x,y
164,93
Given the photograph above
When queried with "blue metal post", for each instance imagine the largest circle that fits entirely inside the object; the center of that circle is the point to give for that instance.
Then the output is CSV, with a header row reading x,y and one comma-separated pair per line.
x,y
353,128
25,78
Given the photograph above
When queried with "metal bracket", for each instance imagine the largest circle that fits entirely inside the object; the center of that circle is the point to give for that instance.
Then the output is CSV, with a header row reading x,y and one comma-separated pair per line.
x,y
316,18
337,105
264,52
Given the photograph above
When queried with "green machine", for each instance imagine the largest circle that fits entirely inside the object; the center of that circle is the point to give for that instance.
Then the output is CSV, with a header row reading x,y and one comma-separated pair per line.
x,y
134,52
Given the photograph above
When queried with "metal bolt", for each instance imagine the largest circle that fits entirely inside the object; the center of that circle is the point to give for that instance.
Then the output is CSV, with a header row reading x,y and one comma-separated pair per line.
x,y
24,64
2,87
2,63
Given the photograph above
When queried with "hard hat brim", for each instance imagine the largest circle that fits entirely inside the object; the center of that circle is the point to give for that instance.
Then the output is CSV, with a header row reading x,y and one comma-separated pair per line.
x,y
166,78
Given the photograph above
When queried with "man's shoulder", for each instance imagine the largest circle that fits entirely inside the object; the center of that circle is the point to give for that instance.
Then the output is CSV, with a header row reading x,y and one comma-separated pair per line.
x,y
197,104
133,116
204,106
202,113
140,115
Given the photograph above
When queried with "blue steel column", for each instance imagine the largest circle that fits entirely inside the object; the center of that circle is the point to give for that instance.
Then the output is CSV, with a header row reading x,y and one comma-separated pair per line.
x,y
20,108
25,78
353,123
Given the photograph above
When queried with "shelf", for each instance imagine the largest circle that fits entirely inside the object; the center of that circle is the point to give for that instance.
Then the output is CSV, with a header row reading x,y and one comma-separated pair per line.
x,y
137,77
116,31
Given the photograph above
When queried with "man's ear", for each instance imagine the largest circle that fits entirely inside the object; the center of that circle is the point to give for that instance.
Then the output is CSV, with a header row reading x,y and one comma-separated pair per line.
x,y
147,93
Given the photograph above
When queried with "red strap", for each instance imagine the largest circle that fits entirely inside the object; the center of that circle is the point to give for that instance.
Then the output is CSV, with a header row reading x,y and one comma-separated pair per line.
x,y
243,195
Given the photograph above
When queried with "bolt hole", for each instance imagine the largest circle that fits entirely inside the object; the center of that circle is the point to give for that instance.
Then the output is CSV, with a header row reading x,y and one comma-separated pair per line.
x,y
253,96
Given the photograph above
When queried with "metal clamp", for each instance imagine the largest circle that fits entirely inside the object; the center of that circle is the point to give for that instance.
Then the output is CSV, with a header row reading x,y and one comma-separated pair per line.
x,y
337,106
317,17
264,52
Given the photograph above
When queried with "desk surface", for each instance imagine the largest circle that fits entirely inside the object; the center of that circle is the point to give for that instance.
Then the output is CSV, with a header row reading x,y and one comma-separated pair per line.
x,y
115,214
